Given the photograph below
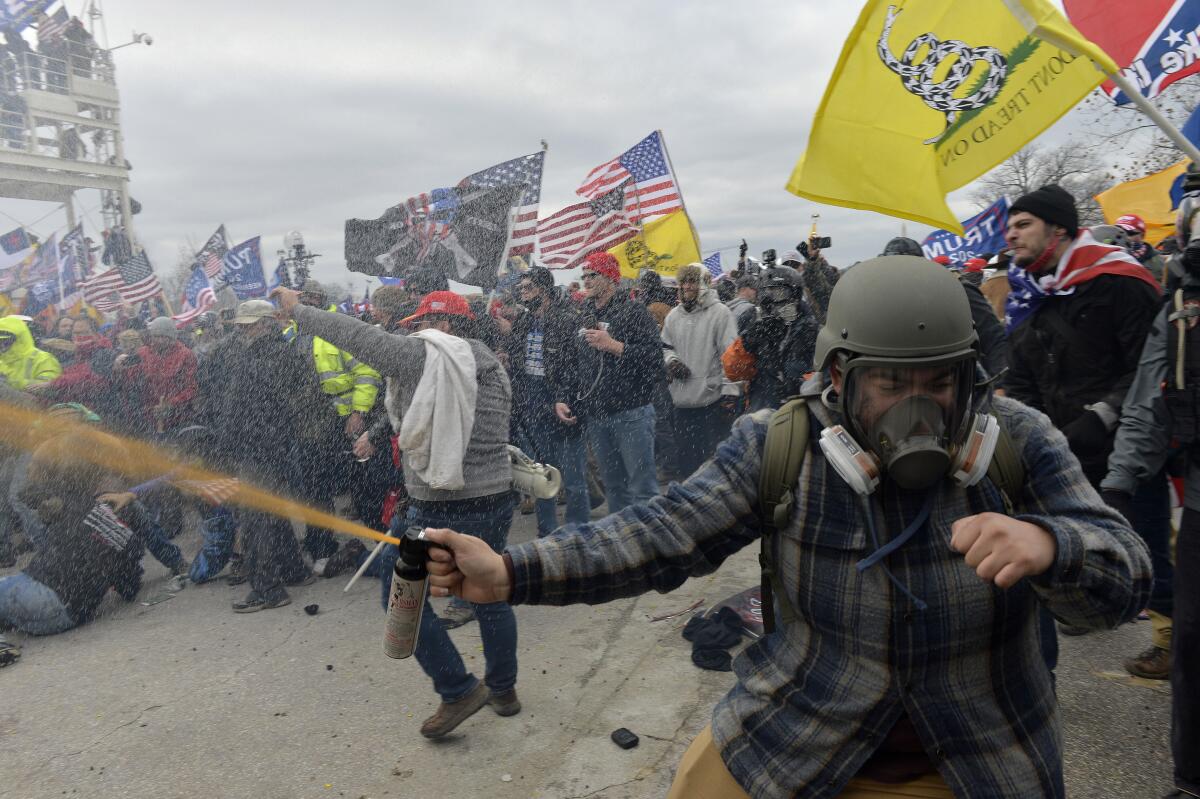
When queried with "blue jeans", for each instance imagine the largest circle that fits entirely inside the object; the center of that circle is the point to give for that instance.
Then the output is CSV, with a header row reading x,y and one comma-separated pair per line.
x,y
1151,511
624,446
32,607
217,532
487,518
565,453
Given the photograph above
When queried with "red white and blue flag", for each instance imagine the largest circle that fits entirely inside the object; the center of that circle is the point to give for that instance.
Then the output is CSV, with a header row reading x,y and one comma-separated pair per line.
x,y
524,171
198,296
139,281
1155,42
101,291
212,254
1086,259
652,190
569,236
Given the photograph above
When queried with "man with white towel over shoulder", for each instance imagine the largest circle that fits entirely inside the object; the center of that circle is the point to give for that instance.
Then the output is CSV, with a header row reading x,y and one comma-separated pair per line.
x,y
449,401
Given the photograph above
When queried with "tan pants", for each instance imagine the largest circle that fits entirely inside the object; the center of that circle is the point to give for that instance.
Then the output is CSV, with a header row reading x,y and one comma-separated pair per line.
x,y
702,775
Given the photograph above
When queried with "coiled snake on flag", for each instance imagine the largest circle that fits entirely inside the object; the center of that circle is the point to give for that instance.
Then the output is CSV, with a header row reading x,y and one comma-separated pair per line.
x,y
918,78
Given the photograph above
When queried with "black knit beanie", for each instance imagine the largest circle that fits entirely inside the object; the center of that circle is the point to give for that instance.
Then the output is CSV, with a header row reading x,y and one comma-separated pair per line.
x,y
1051,203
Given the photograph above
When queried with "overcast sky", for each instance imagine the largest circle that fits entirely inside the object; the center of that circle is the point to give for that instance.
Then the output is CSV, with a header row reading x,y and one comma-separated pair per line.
x,y
273,116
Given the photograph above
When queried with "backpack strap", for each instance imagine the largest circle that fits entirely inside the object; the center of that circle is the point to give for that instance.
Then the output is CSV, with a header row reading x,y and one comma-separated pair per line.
x,y
1007,471
783,454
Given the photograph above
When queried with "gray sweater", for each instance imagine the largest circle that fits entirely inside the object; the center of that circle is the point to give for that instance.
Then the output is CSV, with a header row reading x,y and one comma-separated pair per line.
x,y
486,466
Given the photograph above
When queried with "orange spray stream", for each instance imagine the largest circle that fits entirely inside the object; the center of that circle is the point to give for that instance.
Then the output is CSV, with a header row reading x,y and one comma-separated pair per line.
x,y
139,461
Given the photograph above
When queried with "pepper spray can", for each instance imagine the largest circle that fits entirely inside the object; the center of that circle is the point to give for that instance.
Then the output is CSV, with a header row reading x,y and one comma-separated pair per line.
x,y
410,581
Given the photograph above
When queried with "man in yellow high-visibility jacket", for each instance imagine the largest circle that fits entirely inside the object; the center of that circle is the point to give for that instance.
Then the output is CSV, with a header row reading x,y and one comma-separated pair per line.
x,y
353,388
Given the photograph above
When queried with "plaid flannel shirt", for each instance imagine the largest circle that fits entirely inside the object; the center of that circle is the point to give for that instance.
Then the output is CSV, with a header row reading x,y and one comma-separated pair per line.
x,y
813,701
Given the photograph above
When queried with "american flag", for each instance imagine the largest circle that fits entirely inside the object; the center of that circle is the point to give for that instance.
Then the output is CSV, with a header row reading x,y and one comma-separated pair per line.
x,y
653,192
525,170
568,236
212,254
1084,260
101,291
198,296
54,26
713,264
140,282
214,492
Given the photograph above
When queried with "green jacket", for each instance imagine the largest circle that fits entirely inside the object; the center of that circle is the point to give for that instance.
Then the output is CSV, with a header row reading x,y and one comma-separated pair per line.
x,y
24,364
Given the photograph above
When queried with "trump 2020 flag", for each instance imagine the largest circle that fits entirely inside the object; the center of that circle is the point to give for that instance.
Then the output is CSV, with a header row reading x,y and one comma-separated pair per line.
x,y
243,270
982,234
930,94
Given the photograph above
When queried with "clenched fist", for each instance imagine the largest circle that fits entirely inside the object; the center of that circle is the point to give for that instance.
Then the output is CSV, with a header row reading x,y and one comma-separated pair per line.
x,y
1002,549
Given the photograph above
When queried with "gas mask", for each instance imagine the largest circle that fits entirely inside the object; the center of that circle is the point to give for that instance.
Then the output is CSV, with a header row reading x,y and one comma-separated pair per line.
x,y
934,431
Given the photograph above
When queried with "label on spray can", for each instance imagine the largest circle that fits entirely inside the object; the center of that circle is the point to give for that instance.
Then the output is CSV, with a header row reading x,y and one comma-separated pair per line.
x,y
406,604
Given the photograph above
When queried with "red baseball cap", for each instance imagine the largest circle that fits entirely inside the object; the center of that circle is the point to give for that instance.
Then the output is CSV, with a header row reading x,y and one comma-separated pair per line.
x,y
974,265
944,260
1132,223
445,303
603,264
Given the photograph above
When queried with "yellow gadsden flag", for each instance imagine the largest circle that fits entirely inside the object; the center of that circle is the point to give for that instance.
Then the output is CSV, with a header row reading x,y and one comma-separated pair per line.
x,y
930,94
1148,197
664,245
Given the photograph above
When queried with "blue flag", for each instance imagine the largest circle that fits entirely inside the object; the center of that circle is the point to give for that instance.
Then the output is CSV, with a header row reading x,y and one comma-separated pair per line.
x,y
243,270
713,264
40,296
280,277
982,234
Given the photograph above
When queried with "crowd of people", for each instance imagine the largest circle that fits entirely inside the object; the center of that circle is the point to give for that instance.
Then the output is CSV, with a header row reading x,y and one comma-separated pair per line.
x,y
655,397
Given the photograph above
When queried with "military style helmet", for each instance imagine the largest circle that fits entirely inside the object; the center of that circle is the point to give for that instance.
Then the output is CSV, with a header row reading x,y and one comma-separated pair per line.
x,y
898,307
1112,234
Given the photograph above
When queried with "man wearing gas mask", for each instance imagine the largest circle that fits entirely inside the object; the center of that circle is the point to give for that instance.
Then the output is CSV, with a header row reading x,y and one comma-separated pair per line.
x,y
774,348
907,583
1159,420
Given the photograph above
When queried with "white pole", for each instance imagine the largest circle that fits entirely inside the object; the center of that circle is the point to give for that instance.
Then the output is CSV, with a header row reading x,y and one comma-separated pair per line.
x,y
1146,107
364,566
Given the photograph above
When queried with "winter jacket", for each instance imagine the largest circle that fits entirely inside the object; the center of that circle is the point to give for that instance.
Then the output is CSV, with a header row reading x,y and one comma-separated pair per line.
x,y
819,279
1107,319
261,402
739,307
610,384
699,338
350,383
23,364
401,360
78,381
993,344
560,359
168,379
782,356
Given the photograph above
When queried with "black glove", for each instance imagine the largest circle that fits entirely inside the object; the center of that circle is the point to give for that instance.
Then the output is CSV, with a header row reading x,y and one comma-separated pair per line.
x,y
763,333
1191,257
677,370
1119,501
1087,435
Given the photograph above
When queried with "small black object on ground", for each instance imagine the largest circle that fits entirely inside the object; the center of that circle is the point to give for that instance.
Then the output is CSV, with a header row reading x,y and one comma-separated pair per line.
x,y
311,610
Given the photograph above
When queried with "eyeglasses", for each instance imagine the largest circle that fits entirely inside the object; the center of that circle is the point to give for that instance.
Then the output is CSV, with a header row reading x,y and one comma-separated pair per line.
x,y
588,275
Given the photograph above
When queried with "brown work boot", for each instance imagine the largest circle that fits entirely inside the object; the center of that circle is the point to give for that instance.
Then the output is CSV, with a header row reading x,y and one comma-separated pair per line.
x,y
1153,664
450,714
505,703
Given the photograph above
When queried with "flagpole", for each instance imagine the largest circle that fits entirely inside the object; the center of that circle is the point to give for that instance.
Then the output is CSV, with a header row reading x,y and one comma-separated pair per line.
x,y
1146,107
678,188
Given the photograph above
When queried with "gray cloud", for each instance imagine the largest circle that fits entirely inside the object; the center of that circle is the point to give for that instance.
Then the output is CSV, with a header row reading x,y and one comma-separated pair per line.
x,y
276,116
